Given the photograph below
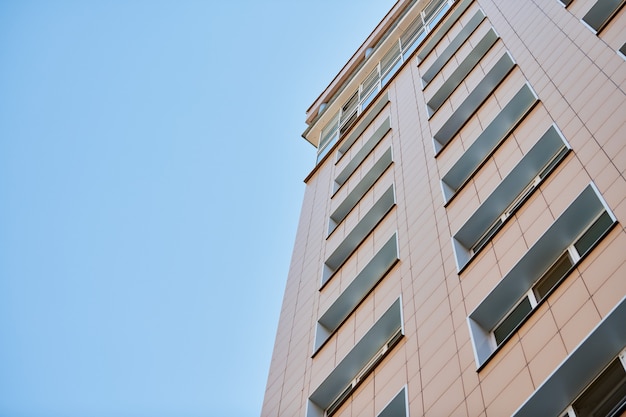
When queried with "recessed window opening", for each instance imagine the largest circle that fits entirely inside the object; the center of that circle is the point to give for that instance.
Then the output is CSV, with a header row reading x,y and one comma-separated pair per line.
x,y
355,367
539,272
360,156
359,191
530,301
488,141
353,240
522,197
588,239
551,278
472,102
486,238
365,281
601,14
514,190
512,208
606,395
363,373
461,72
510,322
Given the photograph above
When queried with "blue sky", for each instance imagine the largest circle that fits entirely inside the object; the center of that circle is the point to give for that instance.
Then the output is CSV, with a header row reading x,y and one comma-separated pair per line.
x,y
151,171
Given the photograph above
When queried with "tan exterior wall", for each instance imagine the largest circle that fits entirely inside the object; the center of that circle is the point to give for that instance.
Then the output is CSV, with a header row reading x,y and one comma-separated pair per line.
x,y
580,81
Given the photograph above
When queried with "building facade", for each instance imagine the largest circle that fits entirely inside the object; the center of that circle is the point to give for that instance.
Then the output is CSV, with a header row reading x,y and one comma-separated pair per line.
x,y
461,248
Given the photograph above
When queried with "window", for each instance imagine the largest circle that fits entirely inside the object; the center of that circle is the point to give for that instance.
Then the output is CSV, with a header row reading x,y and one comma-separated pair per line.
x,y
510,322
443,30
358,363
581,226
369,88
434,12
372,113
552,277
474,100
601,13
509,196
606,396
329,136
592,235
401,50
384,70
411,39
348,113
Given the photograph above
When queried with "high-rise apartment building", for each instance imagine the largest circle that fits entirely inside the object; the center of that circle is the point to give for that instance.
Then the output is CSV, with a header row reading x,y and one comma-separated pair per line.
x,y
461,248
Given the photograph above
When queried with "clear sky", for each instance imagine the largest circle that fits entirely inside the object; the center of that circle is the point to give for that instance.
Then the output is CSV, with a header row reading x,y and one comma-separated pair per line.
x,y
151,171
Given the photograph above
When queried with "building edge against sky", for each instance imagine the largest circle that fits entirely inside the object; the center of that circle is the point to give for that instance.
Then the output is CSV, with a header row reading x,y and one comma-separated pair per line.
x,y
461,246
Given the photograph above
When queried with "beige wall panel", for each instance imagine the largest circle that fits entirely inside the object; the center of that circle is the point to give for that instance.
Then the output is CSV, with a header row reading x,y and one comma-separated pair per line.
x,y
579,326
